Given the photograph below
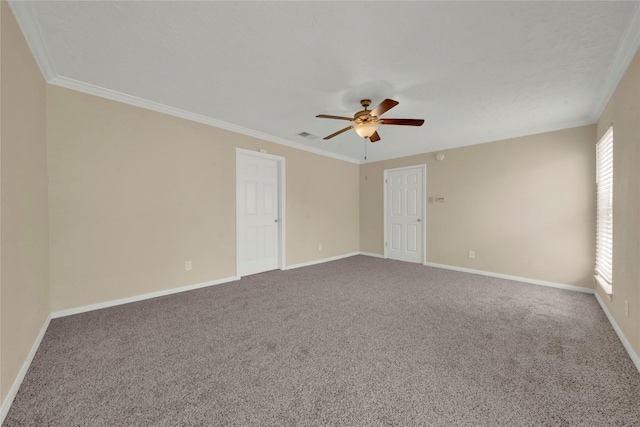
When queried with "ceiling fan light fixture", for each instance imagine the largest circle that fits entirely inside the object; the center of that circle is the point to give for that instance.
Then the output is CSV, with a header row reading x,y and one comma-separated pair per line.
x,y
366,129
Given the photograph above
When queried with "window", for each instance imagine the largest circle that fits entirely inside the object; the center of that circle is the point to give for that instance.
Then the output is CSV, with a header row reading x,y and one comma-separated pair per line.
x,y
604,215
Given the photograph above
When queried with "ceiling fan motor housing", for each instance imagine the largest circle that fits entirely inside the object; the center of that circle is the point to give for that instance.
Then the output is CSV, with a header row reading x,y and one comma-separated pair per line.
x,y
364,115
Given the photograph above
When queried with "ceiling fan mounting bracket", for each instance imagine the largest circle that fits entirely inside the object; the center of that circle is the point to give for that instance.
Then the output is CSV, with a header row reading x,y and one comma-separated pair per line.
x,y
365,103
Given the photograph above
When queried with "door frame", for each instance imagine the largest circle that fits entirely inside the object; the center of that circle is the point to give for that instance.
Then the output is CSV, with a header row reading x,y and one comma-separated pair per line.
x,y
281,203
424,207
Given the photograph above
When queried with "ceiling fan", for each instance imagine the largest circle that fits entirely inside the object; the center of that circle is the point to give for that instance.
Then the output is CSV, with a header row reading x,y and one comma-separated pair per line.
x,y
367,121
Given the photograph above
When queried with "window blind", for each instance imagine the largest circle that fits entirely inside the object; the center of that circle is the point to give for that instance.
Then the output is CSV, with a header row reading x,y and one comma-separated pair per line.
x,y
604,216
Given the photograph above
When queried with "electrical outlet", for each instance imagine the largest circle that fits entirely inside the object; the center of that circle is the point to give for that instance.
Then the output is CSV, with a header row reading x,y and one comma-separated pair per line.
x,y
626,308
187,266
472,254
320,246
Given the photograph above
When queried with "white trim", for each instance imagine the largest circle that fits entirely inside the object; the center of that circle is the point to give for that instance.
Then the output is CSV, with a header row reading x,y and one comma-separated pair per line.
x,y
13,391
371,254
41,53
187,115
515,278
282,202
465,142
177,112
33,36
625,342
422,166
607,288
321,261
627,49
6,405
632,354
142,297
283,214
384,214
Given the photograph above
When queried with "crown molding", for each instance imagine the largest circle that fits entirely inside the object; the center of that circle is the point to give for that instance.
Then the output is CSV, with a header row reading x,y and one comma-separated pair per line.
x,y
624,55
629,45
33,35
176,112
493,138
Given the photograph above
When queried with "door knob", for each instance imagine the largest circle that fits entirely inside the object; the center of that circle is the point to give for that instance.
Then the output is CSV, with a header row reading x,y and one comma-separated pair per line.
x,y
275,220
419,220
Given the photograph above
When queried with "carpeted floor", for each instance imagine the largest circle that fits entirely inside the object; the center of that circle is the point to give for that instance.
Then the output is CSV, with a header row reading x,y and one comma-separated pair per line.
x,y
355,342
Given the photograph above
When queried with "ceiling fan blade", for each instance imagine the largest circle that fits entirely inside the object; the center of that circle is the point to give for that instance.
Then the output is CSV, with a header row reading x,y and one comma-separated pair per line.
x,y
403,122
375,137
325,116
383,107
338,133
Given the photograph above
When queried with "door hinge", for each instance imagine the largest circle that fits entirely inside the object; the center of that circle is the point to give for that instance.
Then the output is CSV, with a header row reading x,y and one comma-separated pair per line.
x,y
385,243
386,181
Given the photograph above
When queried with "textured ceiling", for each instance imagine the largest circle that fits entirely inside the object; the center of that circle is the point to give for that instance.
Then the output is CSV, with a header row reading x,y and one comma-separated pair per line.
x,y
475,71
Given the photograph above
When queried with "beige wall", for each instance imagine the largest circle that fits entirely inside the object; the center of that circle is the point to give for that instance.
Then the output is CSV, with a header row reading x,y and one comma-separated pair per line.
x,y
524,205
134,194
623,111
24,213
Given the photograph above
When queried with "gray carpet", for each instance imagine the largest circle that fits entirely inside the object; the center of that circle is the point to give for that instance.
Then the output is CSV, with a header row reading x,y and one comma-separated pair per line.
x,y
355,342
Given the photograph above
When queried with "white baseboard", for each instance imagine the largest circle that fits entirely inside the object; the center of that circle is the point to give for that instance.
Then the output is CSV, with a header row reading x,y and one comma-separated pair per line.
x,y
625,342
627,345
371,254
13,391
515,278
499,275
4,410
106,304
320,261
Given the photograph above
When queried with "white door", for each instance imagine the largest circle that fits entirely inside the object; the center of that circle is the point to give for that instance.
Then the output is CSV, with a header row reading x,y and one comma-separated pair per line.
x,y
257,213
404,213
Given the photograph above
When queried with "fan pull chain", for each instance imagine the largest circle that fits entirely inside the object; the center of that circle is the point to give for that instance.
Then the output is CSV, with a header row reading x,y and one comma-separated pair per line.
x,y
366,164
